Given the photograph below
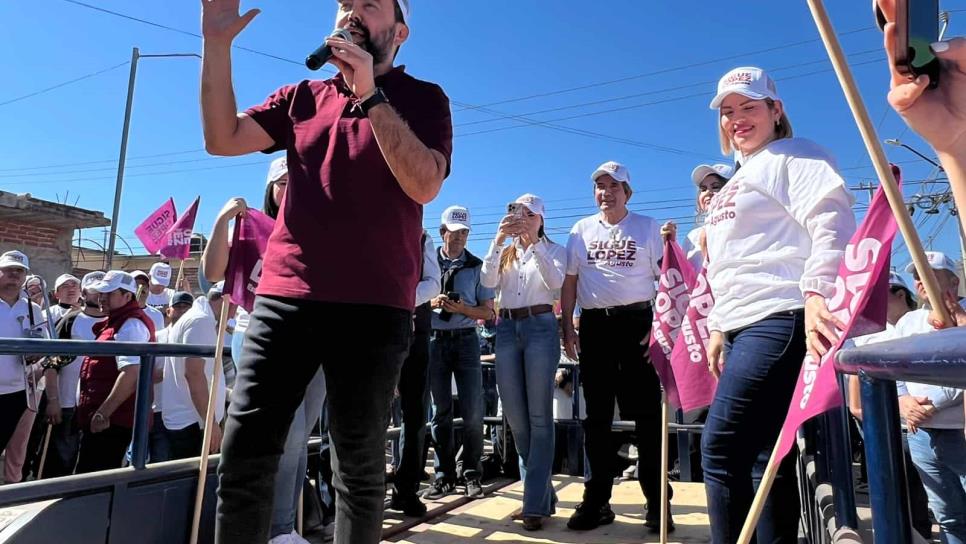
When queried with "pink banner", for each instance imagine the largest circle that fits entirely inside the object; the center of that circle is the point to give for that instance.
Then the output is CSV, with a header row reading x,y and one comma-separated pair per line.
x,y
863,277
151,232
177,241
677,279
245,257
689,360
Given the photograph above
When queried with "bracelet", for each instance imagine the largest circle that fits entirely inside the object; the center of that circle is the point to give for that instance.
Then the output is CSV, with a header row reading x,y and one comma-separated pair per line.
x,y
98,415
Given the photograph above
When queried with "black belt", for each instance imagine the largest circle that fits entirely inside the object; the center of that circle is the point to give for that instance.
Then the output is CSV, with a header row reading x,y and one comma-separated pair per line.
x,y
523,313
617,310
454,333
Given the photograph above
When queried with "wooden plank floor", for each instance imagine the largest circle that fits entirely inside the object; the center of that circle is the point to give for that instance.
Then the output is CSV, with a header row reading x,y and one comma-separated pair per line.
x,y
488,520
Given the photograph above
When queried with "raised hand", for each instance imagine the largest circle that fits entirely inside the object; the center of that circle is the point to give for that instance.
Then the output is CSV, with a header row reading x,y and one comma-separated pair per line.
x,y
221,22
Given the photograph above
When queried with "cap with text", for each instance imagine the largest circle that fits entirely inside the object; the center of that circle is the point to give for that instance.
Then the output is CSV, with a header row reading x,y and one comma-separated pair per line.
x,y
724,170
747,81
91,278
114,280
937,261
613,169
456,218
14,258
160,274
533,203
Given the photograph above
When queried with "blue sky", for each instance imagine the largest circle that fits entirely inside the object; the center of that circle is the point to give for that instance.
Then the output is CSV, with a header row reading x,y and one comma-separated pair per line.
x,y
628,80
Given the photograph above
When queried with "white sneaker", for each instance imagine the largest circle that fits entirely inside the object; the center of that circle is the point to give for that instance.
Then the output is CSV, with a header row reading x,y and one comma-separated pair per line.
x,y
290,538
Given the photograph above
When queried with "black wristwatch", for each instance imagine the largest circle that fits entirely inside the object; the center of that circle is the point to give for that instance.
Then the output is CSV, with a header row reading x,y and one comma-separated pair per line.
x,y
378,97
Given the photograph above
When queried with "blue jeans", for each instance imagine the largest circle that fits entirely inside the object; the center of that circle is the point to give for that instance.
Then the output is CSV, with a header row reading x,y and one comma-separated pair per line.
x,y
762,364
459,358
940,459
527,353
292,464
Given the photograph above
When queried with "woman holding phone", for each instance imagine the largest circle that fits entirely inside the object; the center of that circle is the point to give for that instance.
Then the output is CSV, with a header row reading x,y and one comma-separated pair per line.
x,y
775,235
526,274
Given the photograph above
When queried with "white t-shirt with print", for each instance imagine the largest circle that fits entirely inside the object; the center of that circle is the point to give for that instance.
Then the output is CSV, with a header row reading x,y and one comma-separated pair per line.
x,y
776,230
69,378
196,326
617,264
161,299
15,323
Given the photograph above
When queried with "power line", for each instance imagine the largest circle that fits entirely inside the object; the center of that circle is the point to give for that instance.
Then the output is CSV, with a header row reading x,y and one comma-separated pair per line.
x,y
85,163
143,174
65,83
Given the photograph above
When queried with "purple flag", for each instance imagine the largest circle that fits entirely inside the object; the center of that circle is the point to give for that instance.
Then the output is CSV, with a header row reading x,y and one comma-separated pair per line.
x,y
177,241
670,305
689,360
245,257
151,232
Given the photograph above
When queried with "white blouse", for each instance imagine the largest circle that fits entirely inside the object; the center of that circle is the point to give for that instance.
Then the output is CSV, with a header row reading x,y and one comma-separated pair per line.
x,y
531,279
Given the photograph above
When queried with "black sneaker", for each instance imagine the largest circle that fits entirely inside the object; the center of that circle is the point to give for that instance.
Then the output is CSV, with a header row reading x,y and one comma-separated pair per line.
x,y
409,505
589,517
474,489
438,489
653,523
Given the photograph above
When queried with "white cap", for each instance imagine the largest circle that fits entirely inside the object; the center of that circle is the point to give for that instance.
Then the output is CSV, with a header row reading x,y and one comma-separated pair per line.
x,y
937,261
456,218
114,280
705,170
91,278
14,258
895,280
161,274
533,203
141,274
217,288
33,279
276,170
405,9
613,169
64,278
747,81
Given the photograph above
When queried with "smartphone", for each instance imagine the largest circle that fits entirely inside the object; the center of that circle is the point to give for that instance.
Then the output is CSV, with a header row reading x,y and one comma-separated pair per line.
x,y
516,209
917,26
453,296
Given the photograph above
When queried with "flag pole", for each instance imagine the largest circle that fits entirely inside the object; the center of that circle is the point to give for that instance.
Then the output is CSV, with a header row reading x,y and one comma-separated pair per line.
x,y
209,420
664,463
43,455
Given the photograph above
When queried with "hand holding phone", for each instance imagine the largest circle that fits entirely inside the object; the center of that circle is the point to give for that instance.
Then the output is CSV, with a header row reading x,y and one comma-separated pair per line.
x,y
917,27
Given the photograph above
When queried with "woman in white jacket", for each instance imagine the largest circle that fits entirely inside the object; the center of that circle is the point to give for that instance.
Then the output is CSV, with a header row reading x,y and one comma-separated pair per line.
x,y
526,274
775,235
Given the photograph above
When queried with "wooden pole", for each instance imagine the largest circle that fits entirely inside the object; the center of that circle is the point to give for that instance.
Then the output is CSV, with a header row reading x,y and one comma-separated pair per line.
x,y
43,454
767,479
664,460
210,420
177,283
299,510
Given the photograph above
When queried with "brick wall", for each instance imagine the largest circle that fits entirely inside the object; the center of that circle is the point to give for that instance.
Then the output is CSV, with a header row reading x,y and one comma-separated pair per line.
x,y
47,247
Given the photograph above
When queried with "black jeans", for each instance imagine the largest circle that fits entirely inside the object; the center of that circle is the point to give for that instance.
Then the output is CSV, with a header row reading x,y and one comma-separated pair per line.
x,y
12,406
104,450
64,445
614,365
361,349
413,400
184,443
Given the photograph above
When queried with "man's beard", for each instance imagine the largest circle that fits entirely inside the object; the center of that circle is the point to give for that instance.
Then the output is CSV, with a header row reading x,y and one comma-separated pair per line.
x,y
379,48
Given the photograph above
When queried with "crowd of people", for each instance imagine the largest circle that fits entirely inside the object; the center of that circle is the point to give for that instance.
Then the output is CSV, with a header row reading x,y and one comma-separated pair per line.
x,y
403,320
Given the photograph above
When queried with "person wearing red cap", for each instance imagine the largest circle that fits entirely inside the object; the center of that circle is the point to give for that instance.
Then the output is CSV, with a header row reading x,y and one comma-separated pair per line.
x,y
775,236
365,150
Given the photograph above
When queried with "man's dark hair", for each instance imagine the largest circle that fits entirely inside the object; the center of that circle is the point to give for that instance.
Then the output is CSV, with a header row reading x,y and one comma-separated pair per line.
x,y
910,300
399,13
269,206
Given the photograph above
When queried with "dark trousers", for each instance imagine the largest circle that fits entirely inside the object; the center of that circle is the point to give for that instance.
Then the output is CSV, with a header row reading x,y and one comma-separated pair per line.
x,y
413,400
614,365
185,443
12,406
762,363
104,450
63,447
361,349
159,447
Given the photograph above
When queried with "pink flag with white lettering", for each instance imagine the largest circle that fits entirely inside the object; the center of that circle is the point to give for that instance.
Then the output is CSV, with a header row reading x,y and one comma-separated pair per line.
x,y
152,231
863,277
689,360
245,257
177,241
677,278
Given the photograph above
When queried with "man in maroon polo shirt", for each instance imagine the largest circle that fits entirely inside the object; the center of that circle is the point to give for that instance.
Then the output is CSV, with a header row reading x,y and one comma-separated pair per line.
x,y
366,149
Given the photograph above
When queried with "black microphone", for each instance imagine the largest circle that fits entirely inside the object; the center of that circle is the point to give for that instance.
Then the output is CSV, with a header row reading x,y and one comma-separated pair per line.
x,y
320,56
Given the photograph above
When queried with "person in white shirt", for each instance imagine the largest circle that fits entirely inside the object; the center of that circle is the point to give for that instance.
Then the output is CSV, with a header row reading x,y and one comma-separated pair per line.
x,y
613,264
62,380
775,236
709,179
159,294
105,405
156,315
187,380
934,414
526,274
67,291
15,322
159,445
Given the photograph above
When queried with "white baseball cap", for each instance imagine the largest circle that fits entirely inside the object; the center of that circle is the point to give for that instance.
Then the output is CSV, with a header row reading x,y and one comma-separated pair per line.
x,y
405,9
91,278
533,203
705,170
141,274
160,274
895,280
747,81
64,278
33,279
937,261
613,169
276,170
114,280
456,218
14,258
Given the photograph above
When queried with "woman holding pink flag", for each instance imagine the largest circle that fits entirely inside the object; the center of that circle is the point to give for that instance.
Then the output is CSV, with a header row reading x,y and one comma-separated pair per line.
x,y
708,179
775,235
292,465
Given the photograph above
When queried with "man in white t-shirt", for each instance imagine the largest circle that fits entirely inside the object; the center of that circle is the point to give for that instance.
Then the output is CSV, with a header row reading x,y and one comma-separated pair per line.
x,y
159,445
15,322
67,291
62,381
613,262
160,294
156,315
187,380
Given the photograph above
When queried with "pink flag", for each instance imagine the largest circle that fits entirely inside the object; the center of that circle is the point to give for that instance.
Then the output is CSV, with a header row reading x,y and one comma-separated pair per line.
x,y
177,241
862,273
245,257
677,279
151,232
689,360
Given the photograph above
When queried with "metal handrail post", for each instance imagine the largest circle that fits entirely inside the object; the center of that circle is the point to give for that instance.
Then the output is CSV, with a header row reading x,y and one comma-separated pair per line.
x,y
142,412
